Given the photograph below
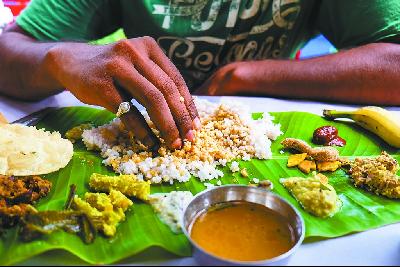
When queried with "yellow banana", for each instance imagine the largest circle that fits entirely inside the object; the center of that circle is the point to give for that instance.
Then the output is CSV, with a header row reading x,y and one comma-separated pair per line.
x,y
380,121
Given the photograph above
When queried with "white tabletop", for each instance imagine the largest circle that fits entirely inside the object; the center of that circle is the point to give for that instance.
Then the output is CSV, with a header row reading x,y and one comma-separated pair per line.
x,y
375,247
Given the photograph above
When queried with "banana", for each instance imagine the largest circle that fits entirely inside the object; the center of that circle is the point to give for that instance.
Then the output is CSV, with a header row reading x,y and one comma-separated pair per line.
x,y
380,121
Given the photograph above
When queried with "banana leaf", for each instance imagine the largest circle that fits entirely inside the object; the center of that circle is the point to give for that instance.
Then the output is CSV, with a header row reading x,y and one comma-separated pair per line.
x,y
142,229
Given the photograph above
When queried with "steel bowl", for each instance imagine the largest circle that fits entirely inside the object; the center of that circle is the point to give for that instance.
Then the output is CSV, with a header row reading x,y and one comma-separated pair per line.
x,y
230,193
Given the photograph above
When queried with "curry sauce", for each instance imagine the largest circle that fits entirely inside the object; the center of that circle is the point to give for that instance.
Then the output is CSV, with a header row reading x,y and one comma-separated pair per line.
x,y
243,231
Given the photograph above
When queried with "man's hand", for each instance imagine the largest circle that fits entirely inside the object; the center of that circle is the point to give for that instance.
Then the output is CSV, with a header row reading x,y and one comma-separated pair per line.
x,y
367,75
135,68
223,82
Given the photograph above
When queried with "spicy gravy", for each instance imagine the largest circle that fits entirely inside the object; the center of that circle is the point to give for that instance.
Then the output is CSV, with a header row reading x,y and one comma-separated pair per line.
x,y
243,231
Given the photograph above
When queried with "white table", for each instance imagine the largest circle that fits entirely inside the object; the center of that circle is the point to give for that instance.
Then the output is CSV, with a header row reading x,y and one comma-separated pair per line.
x,y
375,247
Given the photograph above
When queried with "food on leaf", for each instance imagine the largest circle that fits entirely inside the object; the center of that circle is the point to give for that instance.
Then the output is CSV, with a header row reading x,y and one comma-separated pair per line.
x,y
244,172
318,153
328,136
17,194
128,185
380,121
29,151
10,215
328,166
307,166
324,153
104,211
109,251
234,166
23,189
377,175
296,159
265,184
170,207
76,132
36,224
327,157
314,194
228,133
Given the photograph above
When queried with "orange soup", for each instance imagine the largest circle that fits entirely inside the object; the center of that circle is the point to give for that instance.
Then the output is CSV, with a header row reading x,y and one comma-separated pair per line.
x,y
242,231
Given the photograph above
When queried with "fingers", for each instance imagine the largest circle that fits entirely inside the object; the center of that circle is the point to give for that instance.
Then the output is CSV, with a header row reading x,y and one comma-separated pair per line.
x,y
158,56
133,120
159,87
154,74
150,97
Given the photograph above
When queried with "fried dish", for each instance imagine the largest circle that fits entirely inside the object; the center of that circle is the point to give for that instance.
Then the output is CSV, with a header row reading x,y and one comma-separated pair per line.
x,y
377,175
320,158
317,153
17,195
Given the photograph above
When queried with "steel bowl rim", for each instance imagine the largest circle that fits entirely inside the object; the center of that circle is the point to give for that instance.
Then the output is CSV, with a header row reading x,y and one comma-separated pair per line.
x,y
255,263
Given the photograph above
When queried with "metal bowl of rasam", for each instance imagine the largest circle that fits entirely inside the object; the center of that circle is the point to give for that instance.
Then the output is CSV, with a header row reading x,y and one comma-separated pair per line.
x,y
242,225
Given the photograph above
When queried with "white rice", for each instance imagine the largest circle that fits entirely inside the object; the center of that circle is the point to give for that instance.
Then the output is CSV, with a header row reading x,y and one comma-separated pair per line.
x,y
118,150
234,166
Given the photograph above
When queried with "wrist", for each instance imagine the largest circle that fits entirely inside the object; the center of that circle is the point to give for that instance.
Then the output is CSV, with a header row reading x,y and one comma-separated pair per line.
x,y
63,60
232,78
52,64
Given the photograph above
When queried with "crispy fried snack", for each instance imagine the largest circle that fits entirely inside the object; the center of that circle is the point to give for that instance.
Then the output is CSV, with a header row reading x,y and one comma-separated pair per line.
x,y
325,153
328,166
296,159
307,166
377,175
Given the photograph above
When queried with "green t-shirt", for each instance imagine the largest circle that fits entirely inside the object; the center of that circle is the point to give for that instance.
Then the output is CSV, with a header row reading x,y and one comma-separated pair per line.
x,y
201,35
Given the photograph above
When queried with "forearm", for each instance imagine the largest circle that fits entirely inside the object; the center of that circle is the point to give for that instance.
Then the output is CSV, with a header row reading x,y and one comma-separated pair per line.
x,y
24,72
369,74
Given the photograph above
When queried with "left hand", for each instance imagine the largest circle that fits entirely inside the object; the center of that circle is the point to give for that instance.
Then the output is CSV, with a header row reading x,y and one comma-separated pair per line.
x,y
225,81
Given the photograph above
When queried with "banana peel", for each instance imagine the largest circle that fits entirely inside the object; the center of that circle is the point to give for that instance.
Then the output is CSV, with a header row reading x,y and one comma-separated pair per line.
x,y
377,120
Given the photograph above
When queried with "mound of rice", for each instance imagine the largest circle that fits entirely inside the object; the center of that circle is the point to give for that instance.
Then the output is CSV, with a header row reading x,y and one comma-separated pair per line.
x,y
228,132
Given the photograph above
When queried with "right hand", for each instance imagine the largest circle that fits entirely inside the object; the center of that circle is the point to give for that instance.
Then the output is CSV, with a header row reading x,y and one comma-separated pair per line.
x,y
134,68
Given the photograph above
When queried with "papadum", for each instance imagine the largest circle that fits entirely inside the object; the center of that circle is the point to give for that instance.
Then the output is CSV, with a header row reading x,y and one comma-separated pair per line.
x,y
27,150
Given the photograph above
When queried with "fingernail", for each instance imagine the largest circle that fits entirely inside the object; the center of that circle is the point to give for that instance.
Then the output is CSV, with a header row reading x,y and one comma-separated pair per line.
x,y
177,143
190,135
197,123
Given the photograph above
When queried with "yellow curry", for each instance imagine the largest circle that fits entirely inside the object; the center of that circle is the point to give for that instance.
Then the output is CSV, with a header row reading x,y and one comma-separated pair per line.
x,y
242,231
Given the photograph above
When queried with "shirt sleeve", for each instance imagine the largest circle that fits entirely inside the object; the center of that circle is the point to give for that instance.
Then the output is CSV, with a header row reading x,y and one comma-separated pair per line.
x,y
356,22
77,20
